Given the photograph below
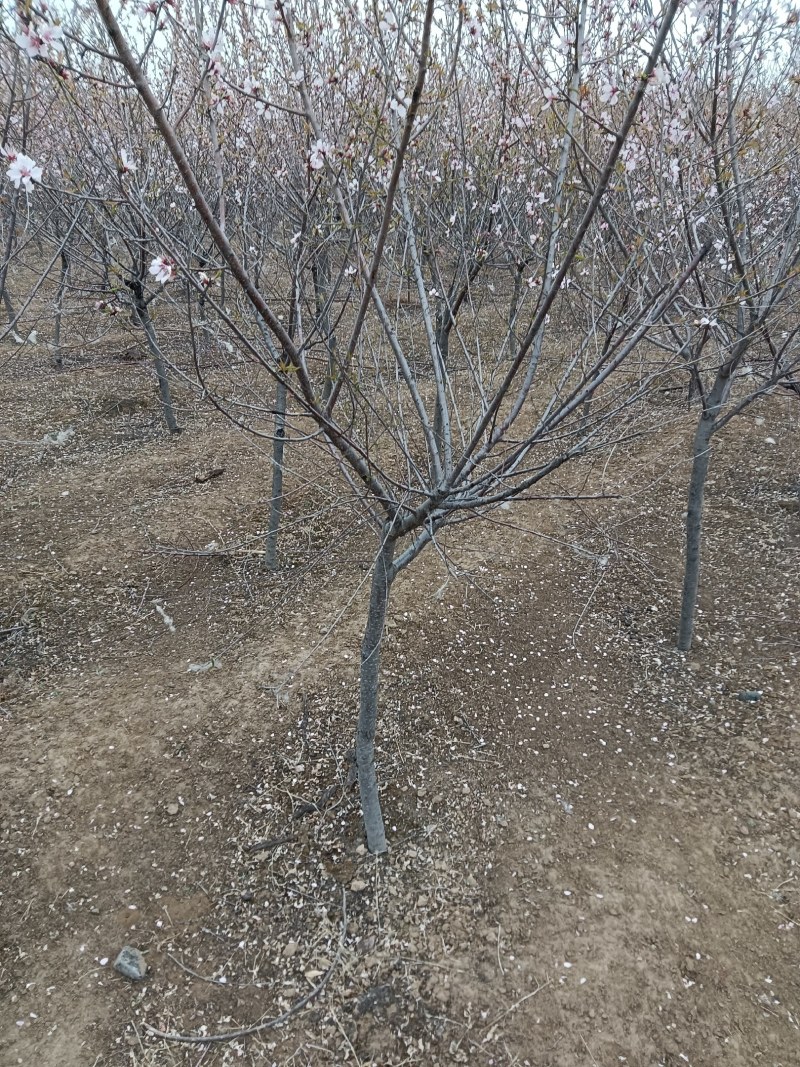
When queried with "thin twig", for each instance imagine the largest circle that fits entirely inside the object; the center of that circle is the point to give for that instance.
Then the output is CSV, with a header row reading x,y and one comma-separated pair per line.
x,y
499,961
591,1057
268,843
265,1024
194,974
476,737
514,1006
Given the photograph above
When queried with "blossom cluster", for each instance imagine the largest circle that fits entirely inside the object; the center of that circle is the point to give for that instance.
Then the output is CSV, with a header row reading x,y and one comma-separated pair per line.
x,y
40,42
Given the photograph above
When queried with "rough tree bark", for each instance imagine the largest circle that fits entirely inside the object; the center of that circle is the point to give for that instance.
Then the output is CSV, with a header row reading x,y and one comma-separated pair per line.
x,y
382,578
142,314
279,444
62,287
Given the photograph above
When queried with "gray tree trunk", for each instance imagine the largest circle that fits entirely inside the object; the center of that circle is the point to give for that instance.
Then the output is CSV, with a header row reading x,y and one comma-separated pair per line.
x,y
321,274
443,324
11,314
278,447
62,286
513,311
701,457
276,503
382,578
143,315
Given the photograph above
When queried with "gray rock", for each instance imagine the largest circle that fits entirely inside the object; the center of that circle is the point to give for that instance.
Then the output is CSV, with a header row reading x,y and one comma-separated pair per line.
x,y
131,963
750,696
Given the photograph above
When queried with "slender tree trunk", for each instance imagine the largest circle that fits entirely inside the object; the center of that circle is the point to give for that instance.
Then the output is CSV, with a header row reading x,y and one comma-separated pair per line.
x,y
701,457
370,683
276,503
513,311
143,315
105,259
443,324
279,444
7,253
62,286
10,313
321,275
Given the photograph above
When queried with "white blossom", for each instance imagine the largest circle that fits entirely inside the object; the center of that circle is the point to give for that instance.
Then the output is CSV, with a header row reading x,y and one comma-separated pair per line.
x,y
163,269
22,170
318,153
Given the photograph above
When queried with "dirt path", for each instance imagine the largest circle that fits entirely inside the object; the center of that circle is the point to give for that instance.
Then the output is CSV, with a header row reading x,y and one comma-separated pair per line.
x,y
594,840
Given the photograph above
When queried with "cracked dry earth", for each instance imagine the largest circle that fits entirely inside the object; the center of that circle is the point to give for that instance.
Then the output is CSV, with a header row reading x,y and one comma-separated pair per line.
x,y
594,840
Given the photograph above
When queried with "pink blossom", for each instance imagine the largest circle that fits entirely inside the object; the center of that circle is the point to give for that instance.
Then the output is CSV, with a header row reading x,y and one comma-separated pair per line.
x,y
50,34
30,42
609,93
126,164
317,154
400,105
253,88
388,23
163,269
676,132
272,8
219,101
550,95
473,28
23,171
40,41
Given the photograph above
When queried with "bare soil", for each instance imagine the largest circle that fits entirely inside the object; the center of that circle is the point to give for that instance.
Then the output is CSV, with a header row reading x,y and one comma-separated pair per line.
x,y
594,838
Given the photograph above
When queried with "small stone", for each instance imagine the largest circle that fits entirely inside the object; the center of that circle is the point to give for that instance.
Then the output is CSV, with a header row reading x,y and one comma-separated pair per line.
x,y
291,949
131,964
750,696
357,885
173,809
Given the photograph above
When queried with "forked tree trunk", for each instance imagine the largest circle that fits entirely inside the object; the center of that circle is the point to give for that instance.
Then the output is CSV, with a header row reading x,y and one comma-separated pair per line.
x,y
701,457
382,578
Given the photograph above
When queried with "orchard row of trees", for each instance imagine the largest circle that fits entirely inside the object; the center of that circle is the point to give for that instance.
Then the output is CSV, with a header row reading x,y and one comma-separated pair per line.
x,y
454,247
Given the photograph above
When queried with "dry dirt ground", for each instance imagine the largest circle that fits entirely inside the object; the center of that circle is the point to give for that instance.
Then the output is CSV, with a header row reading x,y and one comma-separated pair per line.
x,y
594,840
